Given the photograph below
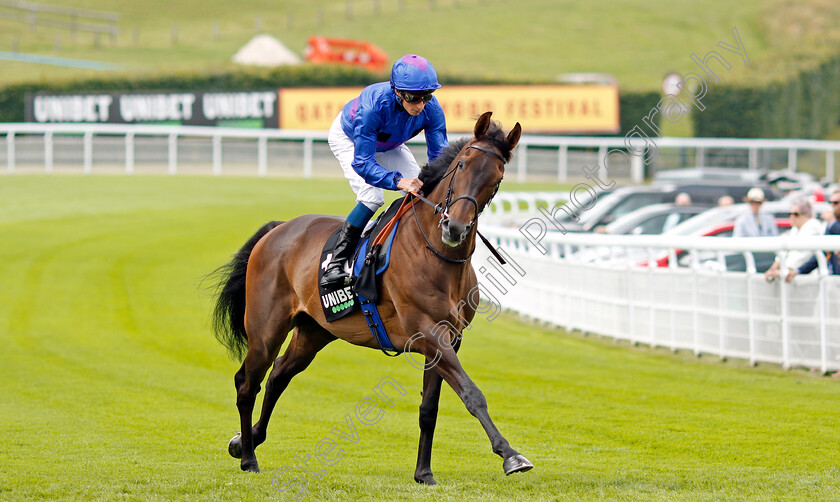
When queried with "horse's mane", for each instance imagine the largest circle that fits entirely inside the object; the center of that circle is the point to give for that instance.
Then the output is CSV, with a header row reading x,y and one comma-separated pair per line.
x,y
431,173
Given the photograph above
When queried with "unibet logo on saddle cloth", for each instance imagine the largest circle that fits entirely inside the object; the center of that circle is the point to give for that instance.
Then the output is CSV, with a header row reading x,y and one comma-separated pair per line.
x,y
338,301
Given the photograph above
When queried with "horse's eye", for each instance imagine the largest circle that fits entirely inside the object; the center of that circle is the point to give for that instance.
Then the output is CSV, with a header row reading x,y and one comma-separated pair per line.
x,y
461,164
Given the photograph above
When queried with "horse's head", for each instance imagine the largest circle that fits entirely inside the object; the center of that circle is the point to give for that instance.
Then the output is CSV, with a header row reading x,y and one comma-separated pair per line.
x,y
474,177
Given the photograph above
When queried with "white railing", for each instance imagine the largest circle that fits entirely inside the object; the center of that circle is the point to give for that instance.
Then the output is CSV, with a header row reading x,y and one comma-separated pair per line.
x,y
699,308
518,206
255,151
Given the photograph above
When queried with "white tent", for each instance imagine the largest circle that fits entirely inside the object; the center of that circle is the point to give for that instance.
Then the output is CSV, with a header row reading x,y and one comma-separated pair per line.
x,y
265,50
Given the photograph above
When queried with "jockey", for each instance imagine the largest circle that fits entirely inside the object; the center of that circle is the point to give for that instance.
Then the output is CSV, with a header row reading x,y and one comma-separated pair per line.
x,y
368,139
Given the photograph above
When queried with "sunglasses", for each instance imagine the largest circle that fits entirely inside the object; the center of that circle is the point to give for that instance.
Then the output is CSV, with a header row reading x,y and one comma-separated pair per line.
x,y
756,202
794,214
416,98
834,202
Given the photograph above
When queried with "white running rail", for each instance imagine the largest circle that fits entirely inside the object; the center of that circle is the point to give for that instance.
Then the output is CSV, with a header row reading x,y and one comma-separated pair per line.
x,y
704,309
537,158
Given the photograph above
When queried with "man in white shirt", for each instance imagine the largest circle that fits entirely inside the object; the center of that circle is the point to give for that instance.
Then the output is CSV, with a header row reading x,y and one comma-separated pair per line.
x,y
754,223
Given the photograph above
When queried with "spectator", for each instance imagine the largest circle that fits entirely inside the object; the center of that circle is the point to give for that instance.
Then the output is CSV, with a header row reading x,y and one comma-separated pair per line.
x,y
802,225
833,228
827,217
726,200
754,223
673,219
683,199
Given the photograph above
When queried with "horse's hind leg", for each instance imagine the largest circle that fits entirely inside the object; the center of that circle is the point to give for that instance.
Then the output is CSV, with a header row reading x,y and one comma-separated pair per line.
x,y
264,341
308,339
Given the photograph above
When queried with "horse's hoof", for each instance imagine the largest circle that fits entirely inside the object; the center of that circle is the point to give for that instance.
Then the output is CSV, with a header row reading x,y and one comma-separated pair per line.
x,y
425,479
250,466
235,446
516,463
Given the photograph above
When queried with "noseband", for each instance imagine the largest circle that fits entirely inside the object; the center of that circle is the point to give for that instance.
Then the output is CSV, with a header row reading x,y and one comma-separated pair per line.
x,y
443,208
449,200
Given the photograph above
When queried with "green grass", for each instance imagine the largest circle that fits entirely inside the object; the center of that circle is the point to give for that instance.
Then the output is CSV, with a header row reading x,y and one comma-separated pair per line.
x,y
113,386
638,41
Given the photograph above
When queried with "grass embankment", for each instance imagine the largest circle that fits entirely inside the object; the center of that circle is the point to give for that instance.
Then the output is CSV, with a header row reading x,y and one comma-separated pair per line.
x,y
638,41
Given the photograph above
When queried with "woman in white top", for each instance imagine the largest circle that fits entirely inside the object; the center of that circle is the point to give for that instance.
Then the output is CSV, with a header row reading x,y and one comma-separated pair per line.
x,y
803,225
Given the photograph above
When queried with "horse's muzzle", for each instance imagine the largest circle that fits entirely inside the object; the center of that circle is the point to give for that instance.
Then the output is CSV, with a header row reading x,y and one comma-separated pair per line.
x,y
453,232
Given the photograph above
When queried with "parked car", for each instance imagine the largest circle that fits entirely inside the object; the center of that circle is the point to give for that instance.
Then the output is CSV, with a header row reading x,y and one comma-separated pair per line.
x,y
610,206
653,219
707,184
719,230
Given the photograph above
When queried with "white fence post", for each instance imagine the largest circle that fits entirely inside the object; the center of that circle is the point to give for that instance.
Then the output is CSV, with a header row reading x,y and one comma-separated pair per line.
x,y
88,152
521,163
173,154
784,300
48,152
262,156
10,152
602,162
563,164
637,168
823,308
217,155
129,153
792,159
829,164
307,157
751,319
631,313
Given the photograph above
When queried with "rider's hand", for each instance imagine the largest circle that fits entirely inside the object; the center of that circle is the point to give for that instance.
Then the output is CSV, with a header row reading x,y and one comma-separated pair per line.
x,y
410,185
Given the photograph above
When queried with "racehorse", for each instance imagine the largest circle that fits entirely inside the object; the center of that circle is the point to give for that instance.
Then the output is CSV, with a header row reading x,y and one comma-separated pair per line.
x,y
271,286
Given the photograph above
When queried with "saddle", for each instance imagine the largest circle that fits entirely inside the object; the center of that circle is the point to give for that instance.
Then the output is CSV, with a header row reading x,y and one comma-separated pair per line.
x,y
371,259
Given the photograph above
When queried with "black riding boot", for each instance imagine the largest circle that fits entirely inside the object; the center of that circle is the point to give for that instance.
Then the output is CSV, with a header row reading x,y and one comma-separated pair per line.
x,y
336,273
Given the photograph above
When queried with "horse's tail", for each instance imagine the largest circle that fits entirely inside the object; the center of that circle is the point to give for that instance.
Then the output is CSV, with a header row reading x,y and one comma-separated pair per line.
x,y
229,313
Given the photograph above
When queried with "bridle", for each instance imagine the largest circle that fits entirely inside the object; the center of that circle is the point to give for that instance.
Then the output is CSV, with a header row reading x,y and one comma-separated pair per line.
x,y
443,208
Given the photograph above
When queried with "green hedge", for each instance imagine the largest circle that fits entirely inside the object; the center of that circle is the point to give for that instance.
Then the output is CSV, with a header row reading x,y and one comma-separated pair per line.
x,y
633,105
805,106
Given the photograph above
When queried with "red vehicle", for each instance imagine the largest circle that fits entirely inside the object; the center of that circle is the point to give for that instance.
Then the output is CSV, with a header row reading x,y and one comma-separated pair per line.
x,y
719,230
345,51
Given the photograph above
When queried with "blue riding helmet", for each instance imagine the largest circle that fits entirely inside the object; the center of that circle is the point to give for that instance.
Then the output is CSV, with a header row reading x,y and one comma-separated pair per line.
x,y
414,73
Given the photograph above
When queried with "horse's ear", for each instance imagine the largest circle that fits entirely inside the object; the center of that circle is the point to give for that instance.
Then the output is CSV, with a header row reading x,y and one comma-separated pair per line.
x,y
513,136
482,124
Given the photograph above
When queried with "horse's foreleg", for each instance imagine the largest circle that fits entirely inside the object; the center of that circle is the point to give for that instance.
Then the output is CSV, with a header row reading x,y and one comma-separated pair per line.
x,y
428,419
449,367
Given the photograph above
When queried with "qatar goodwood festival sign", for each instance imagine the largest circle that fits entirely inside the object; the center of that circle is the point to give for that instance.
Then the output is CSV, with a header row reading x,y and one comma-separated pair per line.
x,y
555,109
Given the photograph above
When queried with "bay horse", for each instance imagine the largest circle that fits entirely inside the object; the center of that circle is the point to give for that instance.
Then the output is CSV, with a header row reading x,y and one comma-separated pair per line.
x,y
271,286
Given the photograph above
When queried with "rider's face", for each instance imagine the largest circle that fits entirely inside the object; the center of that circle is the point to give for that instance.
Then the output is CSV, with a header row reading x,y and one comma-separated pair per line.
x,y
413,109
